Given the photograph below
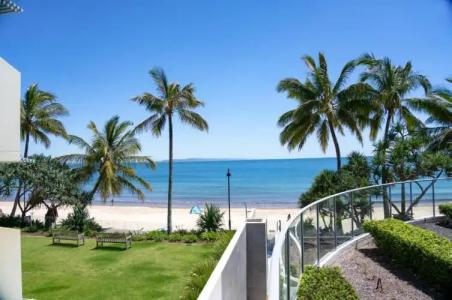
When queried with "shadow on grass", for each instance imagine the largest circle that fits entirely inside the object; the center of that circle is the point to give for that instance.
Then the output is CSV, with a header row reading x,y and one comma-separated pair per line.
x,y
404,273
109,248
64,245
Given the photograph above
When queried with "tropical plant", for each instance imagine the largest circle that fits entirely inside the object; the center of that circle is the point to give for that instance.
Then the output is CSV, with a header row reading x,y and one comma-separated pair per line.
x,y
172,99
324,107
79,220
39,113
211,219
110,155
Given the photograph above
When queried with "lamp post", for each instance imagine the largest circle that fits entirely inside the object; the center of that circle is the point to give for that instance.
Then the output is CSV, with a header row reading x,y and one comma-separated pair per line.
x,y
229,196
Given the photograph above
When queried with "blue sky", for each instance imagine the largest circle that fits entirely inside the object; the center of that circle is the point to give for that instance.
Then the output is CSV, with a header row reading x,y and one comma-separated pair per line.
x,y
95,56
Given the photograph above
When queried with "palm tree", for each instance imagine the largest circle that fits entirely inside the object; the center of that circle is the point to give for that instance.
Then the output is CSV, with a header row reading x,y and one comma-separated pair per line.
x,y
439,107
38,117
323,106
39,113
110,156
172,99
391,85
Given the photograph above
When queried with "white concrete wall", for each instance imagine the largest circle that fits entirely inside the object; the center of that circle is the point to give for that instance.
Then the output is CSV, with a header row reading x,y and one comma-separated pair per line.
x,y
228,280
9,112
10,264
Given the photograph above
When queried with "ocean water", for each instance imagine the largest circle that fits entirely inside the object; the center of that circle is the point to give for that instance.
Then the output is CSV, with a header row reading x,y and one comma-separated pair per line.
x,y
264,183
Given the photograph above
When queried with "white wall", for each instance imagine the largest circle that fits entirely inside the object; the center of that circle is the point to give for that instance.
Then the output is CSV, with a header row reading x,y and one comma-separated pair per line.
x,y
9,112
228,280
10,264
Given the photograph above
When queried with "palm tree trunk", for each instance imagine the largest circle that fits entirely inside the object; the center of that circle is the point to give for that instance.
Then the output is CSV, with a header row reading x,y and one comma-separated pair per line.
x,y
386,208
170,173
336,145
19,189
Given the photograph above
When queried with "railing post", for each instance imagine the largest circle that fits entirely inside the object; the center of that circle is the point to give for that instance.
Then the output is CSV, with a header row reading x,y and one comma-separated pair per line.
x,y
411,199
433,198
390,201
302,243
370,206
351,212
334,224
318,235
287,252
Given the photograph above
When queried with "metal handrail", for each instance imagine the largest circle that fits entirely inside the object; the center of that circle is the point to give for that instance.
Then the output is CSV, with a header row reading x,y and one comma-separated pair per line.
x,y
280,239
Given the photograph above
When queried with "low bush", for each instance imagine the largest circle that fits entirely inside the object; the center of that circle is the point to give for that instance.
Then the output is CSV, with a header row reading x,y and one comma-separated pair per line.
x,y
80,221
420,250
324,283
446,209
201,272
17,222
181,235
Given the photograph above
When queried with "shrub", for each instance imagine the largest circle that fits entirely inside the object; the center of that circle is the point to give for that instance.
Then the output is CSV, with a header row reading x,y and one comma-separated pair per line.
x,y
324,283
35,226
175,237
211,218
209,236
190,238
12,222
420,250
80,221
446,209
156,235
201,272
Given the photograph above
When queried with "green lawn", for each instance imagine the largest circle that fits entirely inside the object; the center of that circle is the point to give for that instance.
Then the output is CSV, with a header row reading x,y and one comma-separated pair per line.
x,y
148,270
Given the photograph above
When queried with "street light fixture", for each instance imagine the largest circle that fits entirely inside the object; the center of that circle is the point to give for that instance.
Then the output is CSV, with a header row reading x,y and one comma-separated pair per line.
x,y
229,196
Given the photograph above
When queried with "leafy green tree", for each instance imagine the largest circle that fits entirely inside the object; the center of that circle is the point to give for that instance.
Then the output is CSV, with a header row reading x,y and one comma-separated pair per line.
x,y
172,99
42,181
211,218
110,155
324,107
354,174
404,158
39,113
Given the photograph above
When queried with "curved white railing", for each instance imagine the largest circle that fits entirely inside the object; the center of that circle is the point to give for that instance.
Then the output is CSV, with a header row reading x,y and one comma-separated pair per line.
x,y
322,226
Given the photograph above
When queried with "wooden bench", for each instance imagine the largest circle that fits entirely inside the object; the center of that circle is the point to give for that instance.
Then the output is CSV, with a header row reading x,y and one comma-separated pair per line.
x,y
59,235
114,238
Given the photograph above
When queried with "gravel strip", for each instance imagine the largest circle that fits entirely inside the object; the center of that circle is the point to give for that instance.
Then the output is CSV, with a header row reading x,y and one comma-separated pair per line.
x,y
438,229
373,276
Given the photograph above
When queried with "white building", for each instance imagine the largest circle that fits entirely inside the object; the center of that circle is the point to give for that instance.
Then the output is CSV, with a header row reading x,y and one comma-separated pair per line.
x,y
10,248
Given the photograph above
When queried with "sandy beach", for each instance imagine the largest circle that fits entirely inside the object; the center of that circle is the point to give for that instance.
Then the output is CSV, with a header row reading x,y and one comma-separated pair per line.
x,y
150,218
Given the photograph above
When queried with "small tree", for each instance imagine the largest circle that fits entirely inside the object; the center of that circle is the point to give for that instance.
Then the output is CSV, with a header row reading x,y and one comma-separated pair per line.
x,y
211,218
405,157
41,181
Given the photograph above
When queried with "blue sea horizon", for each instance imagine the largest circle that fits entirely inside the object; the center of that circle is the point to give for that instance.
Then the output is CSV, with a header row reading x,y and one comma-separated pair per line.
x,y
254,182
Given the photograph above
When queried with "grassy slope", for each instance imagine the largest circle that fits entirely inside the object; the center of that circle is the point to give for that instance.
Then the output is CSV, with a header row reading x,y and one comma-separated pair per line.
x,y
146,271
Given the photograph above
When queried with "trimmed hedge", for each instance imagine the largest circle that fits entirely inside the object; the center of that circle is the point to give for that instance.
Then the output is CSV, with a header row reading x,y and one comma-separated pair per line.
x,y
324,283
420,250
446,209
181,235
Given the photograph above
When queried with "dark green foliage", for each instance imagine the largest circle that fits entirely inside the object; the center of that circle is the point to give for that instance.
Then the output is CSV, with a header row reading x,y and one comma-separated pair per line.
x,y
324,284
211,218
18,222
181,235
420,250
202,271
354,174
80,221
446,209
44,181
